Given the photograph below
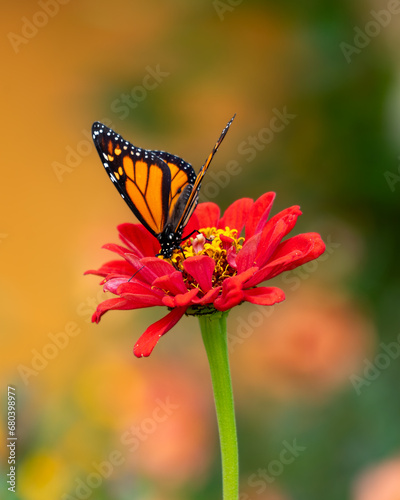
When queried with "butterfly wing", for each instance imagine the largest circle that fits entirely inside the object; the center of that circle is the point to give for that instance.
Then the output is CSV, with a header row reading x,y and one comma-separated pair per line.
x,y
182,175
161,189
142,178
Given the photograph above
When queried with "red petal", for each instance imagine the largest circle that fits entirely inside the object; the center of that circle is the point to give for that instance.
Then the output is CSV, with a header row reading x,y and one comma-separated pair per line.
x,y
231,256
247,254
142,301
290,254
207,214
158,267
183,299
264,295
141,294
310,244
259,214
274,231
138,239
151,336
208,298
111,304
113,283
232,291
112,267
226,241
235,215
201,268
142,271
113,247
172,282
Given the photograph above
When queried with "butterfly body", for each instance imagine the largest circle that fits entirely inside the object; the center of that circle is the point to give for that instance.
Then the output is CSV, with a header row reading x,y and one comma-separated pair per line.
x,y
161,189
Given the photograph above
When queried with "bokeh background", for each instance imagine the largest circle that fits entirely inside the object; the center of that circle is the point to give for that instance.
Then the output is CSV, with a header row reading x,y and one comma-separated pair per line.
x,y
316,378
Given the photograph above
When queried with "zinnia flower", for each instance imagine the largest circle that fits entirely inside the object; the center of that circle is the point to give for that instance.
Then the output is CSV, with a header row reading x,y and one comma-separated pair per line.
x,y
215,269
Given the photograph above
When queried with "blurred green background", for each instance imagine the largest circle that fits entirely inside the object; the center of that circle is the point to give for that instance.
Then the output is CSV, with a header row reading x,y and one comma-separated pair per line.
x,y
315,86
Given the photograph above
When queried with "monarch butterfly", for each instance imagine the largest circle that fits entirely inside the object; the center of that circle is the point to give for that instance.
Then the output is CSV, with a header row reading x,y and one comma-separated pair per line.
x,y
161,189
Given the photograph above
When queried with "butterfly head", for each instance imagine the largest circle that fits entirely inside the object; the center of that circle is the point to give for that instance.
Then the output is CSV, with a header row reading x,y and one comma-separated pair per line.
x,y
169,241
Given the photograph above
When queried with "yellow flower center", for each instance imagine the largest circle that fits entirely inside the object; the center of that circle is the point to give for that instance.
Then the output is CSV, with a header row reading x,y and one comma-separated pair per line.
x,y
221,245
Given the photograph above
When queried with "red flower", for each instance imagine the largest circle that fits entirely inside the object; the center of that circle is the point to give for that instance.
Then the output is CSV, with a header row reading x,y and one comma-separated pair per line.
x,y
220,269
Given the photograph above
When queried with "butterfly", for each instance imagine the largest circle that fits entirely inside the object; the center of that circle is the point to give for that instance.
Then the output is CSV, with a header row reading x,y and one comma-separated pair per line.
x,y
161,189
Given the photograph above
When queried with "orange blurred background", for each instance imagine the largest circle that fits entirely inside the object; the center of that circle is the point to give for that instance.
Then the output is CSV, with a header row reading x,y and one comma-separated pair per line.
x,y
320,368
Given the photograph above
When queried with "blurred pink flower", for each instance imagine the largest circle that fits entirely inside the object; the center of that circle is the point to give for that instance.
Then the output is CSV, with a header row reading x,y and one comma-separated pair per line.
x,y
171,439
307,347
379,482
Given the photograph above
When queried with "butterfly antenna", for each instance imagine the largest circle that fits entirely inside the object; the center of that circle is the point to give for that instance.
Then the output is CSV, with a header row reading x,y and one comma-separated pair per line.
x,y
133,275
217,144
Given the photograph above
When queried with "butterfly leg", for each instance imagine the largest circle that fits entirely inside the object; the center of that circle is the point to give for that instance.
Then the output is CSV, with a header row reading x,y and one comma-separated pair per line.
x,y
190,234
198,232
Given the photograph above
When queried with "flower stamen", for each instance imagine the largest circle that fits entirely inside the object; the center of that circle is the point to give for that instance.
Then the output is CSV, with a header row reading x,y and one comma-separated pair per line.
x,y
215,243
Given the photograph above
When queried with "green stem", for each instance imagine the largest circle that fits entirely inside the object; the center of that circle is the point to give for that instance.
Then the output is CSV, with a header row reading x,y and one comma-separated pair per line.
x,y
214,333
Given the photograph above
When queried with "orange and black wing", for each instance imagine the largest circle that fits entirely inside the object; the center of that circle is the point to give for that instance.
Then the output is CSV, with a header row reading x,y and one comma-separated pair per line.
x,y
182,175
141,177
